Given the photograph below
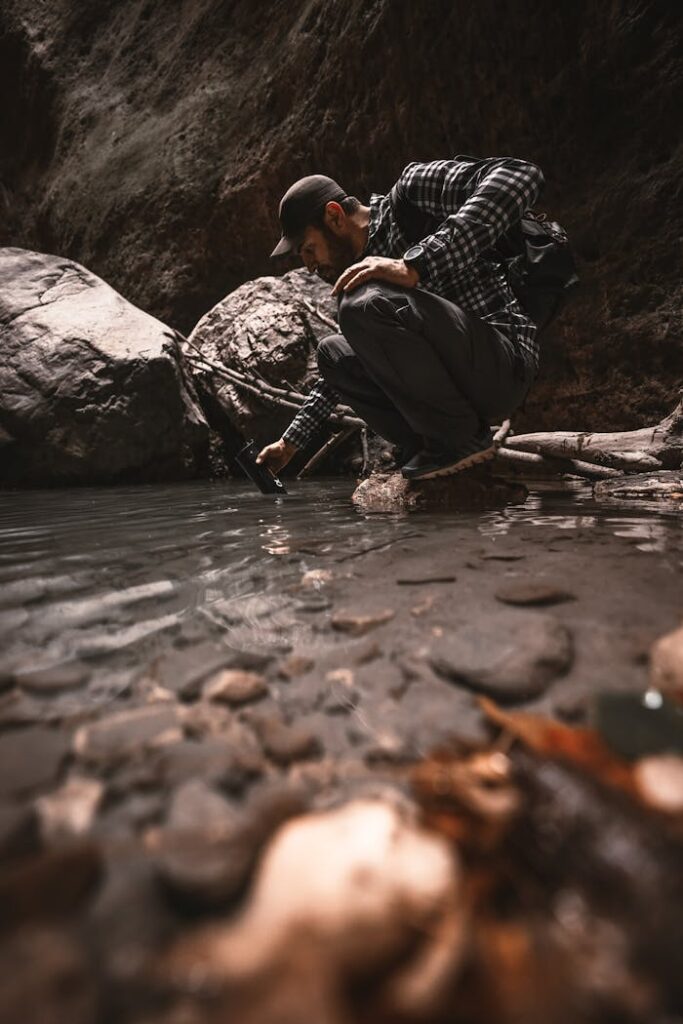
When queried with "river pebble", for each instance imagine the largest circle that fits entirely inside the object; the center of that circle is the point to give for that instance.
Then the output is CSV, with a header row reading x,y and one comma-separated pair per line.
x,y
509,655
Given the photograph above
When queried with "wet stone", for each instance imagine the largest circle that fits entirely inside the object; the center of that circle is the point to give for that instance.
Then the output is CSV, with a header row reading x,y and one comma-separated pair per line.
x,y
229,761
18,830
200,872
538,594
136,811
286,743
509,655
315,578
53,680
184,671
18,708
70,810
124,733
234,687
209,867
341,695
313,604
295,665
358,625
45,977
475,488
30,759
387,746
195,805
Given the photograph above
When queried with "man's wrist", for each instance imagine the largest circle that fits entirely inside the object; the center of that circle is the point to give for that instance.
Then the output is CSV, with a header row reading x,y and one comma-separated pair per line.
x,y
289,446
413,274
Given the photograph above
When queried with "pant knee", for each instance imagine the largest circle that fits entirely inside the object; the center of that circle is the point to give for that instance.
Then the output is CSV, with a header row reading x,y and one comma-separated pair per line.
x,y
330,350
365,303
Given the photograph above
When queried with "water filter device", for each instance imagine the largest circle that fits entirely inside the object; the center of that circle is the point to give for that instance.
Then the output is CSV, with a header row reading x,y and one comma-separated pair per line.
x,y
262,477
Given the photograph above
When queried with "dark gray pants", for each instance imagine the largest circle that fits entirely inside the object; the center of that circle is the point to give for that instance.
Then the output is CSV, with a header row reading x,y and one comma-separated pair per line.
x,y
418,369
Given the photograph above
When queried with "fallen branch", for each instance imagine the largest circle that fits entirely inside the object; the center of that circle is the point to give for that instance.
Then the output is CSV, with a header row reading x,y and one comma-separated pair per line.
x,y
268,392
645,449
556,465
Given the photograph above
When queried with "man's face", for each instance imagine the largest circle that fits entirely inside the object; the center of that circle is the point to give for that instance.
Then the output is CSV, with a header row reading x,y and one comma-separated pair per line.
x,y
325,252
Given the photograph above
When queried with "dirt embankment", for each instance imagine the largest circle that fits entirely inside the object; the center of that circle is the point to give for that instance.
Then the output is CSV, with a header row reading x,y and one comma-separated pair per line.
x,y
152,142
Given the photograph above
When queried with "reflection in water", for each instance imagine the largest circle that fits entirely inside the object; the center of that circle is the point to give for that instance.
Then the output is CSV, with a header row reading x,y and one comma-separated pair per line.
x,y
115,577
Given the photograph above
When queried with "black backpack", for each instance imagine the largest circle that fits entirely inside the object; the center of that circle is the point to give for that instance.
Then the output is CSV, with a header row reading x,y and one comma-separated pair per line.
x,y
535,253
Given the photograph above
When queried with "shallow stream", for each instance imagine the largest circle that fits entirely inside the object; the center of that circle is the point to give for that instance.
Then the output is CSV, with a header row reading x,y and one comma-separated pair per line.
x,y
107,580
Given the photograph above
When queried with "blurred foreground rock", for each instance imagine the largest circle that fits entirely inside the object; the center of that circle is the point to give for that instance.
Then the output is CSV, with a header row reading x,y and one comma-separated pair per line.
x,y
356,898
92,389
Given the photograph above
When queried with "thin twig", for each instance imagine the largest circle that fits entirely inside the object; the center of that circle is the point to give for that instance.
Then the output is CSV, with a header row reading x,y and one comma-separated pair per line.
x,y
501,434
364,446
269,392
321,316
332,443
377,547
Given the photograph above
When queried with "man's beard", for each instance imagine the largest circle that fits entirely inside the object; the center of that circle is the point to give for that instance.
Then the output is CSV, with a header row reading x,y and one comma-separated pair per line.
x,y
341,256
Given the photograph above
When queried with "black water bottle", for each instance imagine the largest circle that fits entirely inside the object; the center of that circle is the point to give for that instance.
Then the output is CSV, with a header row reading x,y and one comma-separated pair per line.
x,y
262,477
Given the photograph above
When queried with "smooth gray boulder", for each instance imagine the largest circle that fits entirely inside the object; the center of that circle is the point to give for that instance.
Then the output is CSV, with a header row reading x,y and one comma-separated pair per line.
x,y
268,330
92,389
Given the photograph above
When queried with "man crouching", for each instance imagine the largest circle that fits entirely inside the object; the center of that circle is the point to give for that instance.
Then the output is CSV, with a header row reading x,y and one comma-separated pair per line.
x,y
433,344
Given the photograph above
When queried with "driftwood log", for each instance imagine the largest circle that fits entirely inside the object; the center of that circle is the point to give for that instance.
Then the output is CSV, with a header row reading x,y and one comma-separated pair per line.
x,y
628,451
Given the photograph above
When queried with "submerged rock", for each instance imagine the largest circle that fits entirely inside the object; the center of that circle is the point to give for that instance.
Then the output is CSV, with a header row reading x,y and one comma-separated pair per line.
x,y
267,329
475,488
531,593
92,389
30,759
510,655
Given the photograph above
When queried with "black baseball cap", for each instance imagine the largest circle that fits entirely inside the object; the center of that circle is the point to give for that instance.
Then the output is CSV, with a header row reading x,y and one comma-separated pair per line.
x,y
300,205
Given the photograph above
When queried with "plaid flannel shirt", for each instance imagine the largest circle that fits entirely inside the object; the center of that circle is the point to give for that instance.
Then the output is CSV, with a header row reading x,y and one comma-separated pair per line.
x,y
476,203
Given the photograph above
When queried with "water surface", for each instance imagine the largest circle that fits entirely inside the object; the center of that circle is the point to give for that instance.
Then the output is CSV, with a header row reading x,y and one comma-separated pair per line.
x,y
112,578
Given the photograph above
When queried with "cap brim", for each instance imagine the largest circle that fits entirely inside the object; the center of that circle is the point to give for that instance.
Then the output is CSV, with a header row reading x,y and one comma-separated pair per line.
x,y
284,246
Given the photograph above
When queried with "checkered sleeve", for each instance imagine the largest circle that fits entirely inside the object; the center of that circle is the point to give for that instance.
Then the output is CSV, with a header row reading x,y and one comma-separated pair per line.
x,y
313,414
478,201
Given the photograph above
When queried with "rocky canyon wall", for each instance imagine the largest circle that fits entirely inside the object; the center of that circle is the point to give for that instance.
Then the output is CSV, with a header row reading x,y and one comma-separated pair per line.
x,y
151,142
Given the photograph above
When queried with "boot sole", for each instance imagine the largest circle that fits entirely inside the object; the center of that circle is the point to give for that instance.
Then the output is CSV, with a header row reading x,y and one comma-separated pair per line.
x,y
470,460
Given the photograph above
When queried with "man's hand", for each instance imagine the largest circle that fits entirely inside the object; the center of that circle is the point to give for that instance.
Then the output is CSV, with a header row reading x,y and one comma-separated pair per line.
x,y
379,268
277,455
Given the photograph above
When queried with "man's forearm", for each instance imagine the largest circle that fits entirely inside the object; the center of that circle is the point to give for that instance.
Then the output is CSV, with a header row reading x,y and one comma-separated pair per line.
x,y
313,414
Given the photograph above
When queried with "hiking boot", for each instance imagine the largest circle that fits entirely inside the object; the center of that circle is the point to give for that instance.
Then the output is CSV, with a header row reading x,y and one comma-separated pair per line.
x,y
428,464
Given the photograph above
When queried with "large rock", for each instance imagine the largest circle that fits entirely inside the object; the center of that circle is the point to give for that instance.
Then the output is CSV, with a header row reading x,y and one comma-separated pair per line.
x,y
471,489
92,389
509,655
267,329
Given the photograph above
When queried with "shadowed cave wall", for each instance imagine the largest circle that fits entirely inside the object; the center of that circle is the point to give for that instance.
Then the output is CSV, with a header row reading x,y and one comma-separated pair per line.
x,y
151,142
